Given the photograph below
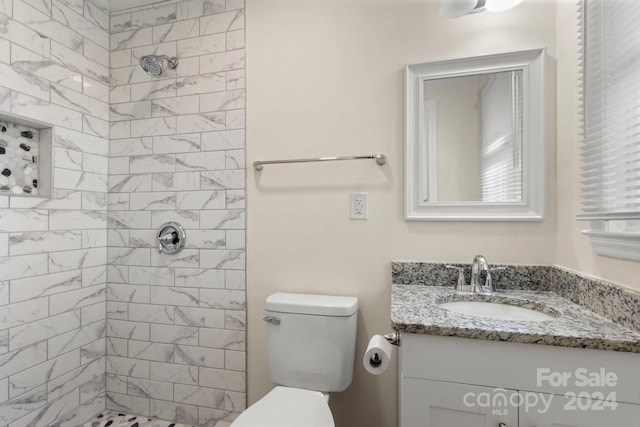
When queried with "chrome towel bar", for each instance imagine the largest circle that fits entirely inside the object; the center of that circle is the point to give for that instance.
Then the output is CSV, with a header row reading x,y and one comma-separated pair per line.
x,y
380,159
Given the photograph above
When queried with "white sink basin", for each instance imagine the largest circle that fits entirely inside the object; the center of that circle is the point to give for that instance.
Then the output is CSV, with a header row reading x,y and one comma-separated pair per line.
x,y
495,311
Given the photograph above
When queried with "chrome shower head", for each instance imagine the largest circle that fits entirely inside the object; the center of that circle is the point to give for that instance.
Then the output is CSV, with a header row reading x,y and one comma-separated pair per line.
x,y
152,64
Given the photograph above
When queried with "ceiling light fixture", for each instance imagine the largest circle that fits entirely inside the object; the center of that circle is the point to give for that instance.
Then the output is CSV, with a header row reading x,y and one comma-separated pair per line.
x,y
458,8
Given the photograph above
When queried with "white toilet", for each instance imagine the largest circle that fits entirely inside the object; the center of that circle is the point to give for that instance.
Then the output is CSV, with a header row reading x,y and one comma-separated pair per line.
x,y
310,348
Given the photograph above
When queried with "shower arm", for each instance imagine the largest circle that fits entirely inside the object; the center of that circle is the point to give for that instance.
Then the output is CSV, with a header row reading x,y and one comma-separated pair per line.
x,y
171,61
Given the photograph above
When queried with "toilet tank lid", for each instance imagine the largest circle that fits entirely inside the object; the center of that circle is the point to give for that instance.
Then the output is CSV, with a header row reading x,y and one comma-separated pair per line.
x,y
321,305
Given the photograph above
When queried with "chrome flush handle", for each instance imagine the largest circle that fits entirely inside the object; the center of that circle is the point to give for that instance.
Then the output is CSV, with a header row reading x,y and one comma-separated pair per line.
x,y
272,319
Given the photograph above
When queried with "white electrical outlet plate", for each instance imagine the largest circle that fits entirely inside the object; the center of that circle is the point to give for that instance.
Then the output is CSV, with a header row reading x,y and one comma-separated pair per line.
x,y
358,205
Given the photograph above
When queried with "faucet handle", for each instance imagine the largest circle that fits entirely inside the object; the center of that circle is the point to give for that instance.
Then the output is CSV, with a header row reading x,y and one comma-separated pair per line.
x,y
488,285
462,284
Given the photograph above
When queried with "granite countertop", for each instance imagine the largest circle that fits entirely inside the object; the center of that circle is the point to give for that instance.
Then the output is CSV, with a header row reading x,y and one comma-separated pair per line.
x,y
414,309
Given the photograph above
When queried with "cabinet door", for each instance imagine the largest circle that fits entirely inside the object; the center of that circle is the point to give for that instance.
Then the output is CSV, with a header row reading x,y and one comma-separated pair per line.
x,y
427,403
562,411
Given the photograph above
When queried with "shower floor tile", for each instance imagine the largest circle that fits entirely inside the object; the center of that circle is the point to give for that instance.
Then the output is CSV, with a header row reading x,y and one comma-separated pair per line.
x,y
118,419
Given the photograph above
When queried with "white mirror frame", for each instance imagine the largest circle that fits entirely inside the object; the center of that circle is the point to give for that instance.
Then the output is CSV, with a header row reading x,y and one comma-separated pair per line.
x,y
531,208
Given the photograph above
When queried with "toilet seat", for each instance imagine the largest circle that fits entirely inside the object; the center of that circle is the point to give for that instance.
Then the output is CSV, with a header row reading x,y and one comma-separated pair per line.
x,y
287,407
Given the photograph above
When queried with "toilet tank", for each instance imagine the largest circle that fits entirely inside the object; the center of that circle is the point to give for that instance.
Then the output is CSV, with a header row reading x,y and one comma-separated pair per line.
x,y
311,340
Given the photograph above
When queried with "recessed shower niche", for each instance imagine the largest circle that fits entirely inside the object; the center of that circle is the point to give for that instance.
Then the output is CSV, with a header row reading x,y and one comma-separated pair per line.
x,y
25,157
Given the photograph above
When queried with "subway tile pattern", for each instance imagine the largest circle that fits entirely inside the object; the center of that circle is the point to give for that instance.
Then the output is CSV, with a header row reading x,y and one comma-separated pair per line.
x,y
53,250
176,336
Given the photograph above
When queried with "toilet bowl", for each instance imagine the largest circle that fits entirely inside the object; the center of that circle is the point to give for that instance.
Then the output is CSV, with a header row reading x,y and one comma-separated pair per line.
x,y
311,351
288,407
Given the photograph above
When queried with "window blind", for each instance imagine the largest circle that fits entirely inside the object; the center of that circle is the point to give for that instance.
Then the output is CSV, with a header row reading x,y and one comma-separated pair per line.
x,y
501,131
611,148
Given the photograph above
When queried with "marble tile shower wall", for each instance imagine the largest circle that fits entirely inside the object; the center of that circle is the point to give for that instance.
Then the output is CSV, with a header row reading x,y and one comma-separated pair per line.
x,y
176,323
54,67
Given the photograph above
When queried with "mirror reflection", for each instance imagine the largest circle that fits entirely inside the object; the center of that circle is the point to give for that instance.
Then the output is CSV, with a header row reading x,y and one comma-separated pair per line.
x,y
473,137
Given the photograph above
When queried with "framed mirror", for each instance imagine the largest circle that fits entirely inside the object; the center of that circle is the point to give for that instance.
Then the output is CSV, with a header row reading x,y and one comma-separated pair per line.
x,y
475,138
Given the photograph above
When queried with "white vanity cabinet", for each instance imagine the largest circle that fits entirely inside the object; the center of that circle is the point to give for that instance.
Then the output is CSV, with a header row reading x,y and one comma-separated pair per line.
x,y
461,382
566,412
444,404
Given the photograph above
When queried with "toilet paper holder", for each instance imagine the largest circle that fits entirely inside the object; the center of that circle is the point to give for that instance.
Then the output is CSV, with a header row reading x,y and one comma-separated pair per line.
x,y
379,352
393,338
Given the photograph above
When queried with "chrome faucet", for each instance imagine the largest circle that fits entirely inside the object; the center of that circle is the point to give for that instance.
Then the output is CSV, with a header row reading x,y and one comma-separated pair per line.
x,y
480,264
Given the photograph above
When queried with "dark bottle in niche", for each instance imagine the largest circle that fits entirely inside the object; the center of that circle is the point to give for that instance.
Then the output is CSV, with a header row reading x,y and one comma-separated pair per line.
x,y
3,150
6,172
3,128
27,134
25,147
35,183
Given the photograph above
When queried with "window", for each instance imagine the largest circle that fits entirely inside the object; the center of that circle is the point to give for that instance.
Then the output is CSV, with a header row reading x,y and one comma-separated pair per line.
x,y
611,147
